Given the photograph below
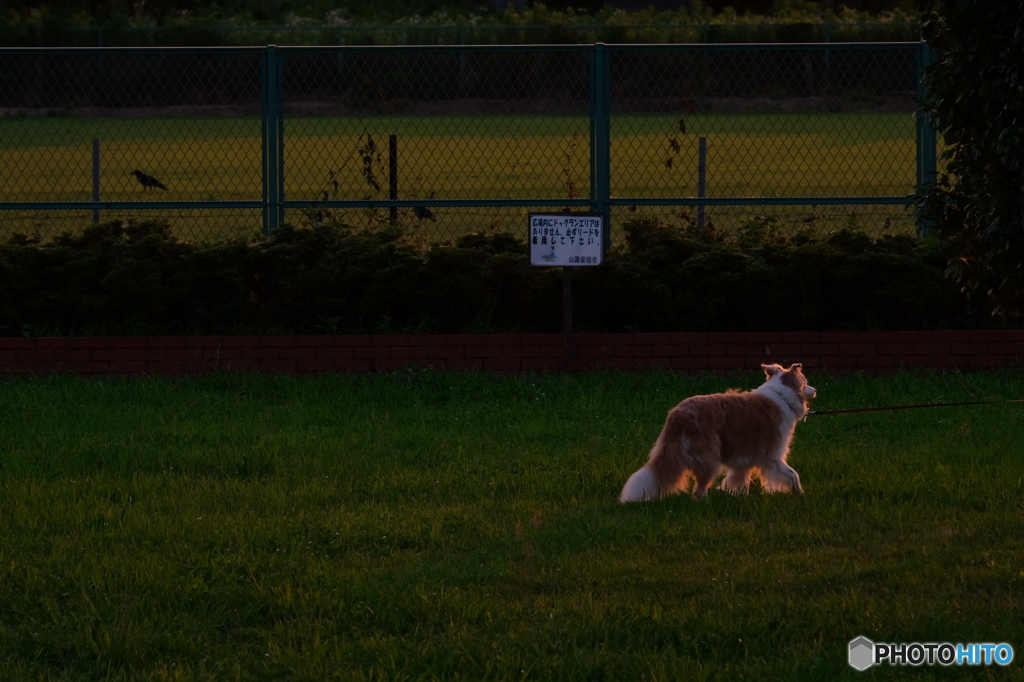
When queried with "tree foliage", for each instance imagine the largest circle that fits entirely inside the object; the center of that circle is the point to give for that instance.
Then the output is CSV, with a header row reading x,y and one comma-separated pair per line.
x,y
976,98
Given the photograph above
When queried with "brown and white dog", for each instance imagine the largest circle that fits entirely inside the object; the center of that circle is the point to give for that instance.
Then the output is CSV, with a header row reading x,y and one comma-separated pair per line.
x,y
743,432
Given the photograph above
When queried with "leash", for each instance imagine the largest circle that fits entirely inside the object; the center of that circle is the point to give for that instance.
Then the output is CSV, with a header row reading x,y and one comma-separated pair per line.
x,y
910,407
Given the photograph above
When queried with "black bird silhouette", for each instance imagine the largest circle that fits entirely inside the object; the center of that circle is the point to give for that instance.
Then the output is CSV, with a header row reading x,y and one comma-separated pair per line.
x,y
423,213
148,181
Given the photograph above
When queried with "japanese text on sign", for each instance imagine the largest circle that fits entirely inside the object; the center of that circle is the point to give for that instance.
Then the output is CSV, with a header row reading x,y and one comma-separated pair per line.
x,y
566,239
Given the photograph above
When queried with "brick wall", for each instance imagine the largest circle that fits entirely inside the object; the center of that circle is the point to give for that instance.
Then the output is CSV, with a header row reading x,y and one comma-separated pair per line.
x,y
691,352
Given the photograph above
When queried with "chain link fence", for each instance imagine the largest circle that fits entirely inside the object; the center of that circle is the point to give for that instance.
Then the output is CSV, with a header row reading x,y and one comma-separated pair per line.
x,y
224,143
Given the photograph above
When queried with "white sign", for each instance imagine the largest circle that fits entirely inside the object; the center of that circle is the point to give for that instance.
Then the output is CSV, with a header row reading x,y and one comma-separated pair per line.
x,y
566,239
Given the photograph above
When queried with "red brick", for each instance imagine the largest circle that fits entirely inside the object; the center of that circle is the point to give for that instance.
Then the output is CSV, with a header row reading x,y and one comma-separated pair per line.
x,y
297,353
835,337
931,348
689,363
669,351
464,339
165,366
611,363
126,341
913,336
128,367
951,336
540,339
276,365
724,337
199,366
801,337
32,355
585,338
463,365
543,364
166,341
391,364
189,353
632,351
52,342
1006,347
872,337
551,351
748,349
371,352
89,342
688,338
520,352
593,351
652,363
314,340
107,354
203,342
856,349
614,339
258,353
237,365
353,340
144,354
971,348
314,365
352,364
876,362
24,368
988,335
652,338
17,342
707,350
483,351
766,338
502,364
239,341
500,340
276,341
334,353
397,340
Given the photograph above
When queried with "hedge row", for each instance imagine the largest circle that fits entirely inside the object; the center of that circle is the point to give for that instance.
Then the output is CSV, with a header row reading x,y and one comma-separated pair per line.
x,y
129,278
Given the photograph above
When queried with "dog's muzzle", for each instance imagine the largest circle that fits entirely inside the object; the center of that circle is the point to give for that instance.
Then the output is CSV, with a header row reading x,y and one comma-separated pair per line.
x,y
809,392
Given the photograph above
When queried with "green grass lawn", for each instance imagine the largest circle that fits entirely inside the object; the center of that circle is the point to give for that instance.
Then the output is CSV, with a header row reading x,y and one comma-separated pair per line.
x,y
433,525
454,158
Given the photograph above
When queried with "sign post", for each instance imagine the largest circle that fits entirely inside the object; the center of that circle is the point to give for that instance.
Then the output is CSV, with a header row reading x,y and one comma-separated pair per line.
x,y
567,240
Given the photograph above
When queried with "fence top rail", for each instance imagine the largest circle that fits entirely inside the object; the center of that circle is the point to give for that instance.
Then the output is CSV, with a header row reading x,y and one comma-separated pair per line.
x,y
617,47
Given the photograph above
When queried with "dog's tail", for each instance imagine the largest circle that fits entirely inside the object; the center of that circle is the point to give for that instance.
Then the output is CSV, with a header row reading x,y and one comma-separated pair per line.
x,y
642,485
665,470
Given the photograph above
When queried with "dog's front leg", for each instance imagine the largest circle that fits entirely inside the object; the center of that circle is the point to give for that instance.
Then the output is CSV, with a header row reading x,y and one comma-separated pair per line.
x,y
780,477
736,481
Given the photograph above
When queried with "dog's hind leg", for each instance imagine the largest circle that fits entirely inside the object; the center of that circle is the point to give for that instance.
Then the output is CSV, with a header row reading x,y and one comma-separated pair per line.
x,y
704,475
777,476
737,482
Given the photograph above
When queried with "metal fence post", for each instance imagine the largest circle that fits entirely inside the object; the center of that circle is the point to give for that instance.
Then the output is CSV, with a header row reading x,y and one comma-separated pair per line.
x,y
927,137
600,135
96,168
270,106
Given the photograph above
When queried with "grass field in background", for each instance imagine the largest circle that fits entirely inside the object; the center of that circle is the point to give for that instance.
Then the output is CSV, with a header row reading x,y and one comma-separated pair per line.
x,y
457,157
429,525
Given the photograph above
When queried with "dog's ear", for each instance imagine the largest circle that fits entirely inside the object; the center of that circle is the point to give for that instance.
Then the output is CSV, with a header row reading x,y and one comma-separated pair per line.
x,y
796,367
771,370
